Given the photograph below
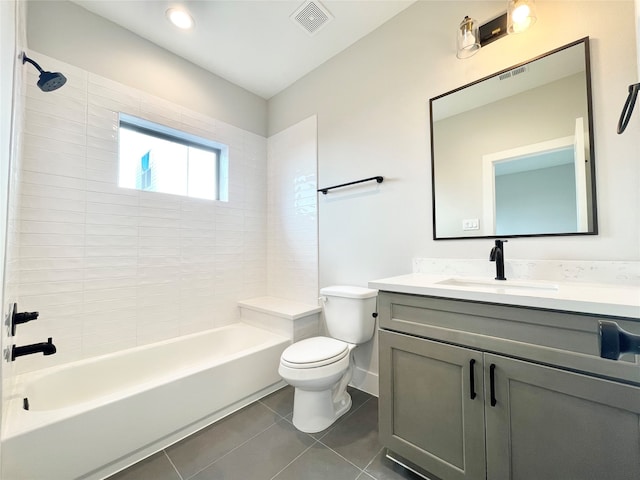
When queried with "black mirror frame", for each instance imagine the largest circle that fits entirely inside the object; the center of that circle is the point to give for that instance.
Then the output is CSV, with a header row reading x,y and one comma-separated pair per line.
x,y
585,41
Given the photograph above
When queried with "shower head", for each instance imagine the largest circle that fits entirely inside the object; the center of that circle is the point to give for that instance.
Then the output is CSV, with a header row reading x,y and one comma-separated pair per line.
x,y
48,81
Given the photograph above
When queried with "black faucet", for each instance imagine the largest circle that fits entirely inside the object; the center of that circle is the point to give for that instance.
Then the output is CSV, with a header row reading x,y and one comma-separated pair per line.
x,y
497,255
47,348
21,317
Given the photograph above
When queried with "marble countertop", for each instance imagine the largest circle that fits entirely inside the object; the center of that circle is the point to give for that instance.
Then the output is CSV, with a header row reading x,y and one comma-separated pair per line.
x,y
593,298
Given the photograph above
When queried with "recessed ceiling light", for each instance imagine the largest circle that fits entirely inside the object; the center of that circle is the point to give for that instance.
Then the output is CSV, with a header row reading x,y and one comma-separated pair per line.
x,y
180,18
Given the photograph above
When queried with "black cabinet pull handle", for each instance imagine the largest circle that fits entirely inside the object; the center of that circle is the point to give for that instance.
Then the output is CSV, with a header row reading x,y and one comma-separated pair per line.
x,y
472,379
615,341
492,383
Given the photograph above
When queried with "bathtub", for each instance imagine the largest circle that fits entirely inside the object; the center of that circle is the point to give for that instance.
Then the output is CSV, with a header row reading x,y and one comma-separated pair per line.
x,y
89,419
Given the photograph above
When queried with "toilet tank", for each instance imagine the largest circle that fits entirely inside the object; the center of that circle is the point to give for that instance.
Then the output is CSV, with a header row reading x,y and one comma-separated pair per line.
x,y
348,312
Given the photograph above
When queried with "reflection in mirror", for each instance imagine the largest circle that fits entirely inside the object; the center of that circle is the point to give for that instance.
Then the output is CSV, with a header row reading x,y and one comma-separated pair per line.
x,y
512,154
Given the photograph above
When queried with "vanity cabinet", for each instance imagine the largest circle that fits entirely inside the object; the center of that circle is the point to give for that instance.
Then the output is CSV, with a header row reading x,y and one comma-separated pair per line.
x,y
426,411
461,405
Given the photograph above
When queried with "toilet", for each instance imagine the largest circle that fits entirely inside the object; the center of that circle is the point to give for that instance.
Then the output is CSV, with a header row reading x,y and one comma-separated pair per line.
x,y
320,367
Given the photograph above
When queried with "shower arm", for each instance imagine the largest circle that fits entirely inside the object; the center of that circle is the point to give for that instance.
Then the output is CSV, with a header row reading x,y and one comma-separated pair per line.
x,y
27,59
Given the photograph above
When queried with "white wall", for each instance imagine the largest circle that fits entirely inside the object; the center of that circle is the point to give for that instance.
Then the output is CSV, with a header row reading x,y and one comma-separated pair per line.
x,y
293,214
110,268
372,107
70,33
638,35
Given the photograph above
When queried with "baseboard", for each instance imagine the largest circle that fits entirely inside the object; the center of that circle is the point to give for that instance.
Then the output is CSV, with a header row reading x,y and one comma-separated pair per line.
x,y
365,380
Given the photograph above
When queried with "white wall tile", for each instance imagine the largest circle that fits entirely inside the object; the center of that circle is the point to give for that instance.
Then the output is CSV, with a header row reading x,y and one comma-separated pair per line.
x,y
120,266
31,239
53,163
292,215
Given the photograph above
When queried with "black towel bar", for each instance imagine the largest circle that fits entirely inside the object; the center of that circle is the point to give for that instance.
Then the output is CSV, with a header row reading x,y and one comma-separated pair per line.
x,y
324,191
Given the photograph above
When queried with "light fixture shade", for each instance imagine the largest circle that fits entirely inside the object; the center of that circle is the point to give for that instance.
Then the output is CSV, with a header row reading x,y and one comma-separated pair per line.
x,y
521,14
468,38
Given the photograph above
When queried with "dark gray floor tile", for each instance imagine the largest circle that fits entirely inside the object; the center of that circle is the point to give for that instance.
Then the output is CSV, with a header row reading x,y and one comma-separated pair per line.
x,y
384,469
156,467
280,401
206,446
319,463
356,438
261,457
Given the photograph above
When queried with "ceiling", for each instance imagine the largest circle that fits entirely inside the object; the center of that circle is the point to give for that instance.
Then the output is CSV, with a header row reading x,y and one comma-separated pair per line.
x,y
252,43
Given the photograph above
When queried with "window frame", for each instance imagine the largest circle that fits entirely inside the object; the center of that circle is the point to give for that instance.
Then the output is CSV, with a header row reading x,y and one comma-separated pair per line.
x,y
163,132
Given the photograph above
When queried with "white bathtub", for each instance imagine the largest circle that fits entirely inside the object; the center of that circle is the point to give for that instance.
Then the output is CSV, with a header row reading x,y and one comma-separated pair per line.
x,y
89,419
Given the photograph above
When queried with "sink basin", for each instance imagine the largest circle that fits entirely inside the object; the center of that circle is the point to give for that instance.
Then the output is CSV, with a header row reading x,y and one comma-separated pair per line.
x,y
498,284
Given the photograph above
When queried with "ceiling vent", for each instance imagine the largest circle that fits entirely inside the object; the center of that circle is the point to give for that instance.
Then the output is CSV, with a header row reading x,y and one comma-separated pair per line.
x,y
514,72
311,16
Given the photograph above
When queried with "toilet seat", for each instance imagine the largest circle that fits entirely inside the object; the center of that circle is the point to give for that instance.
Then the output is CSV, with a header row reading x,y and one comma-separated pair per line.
x,y
314,352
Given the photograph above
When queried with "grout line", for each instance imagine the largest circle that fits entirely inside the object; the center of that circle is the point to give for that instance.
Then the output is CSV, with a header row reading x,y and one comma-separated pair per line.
x,y
315,441
301,453
341,456
232,450
269,408
172,464
373,460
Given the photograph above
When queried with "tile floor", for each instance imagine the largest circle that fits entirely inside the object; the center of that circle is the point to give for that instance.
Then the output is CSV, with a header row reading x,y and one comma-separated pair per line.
x,y
259,442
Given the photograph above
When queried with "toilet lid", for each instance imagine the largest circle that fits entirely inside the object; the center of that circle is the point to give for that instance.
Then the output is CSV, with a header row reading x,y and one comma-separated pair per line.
x,y
314,352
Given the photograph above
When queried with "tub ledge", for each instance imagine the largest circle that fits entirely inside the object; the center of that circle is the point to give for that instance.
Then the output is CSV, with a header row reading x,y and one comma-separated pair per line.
x,y
294,320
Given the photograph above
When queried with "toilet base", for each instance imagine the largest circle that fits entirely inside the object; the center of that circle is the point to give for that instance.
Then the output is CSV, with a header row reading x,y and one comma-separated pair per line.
x,y
314,411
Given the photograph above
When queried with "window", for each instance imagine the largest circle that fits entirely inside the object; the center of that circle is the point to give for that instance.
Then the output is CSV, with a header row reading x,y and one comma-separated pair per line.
x,y
161,159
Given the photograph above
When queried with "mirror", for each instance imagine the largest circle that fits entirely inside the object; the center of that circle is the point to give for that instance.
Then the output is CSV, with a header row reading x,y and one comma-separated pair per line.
x,y
512,153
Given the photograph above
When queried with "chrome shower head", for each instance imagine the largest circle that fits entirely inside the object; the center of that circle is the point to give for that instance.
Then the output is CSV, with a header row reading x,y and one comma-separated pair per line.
x,y
48,81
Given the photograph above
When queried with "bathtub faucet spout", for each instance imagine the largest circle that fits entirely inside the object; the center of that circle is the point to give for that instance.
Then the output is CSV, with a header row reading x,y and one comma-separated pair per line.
x,y
47,348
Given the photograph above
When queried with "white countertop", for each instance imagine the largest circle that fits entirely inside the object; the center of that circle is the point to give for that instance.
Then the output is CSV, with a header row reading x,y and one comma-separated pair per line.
x,y
600,299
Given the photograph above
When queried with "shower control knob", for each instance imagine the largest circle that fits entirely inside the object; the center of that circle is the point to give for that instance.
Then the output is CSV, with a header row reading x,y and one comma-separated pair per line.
x,y
21,317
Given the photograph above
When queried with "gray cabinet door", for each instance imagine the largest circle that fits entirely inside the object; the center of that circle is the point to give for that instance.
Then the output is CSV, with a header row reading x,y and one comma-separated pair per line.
x,y
427,413
557,425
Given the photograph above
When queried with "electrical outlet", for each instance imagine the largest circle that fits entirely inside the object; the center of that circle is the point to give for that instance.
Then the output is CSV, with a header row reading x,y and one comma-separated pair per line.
x,y
471,224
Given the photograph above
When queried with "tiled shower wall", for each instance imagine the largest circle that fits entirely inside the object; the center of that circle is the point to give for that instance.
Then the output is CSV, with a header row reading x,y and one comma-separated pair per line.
x,y
111,268
293,213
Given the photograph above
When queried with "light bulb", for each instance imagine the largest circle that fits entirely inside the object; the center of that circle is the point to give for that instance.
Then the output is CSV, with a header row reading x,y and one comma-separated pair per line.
x,y
468,40
521,15
180,18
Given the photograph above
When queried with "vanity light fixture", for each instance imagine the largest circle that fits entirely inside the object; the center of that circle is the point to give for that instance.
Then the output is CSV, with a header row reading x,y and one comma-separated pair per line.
x,y
180,18
520,15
